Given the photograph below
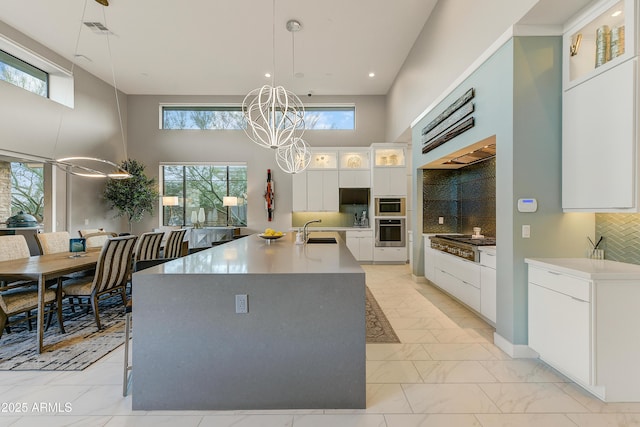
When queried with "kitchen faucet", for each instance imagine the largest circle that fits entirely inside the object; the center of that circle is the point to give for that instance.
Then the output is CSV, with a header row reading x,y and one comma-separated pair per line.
x,y
305,233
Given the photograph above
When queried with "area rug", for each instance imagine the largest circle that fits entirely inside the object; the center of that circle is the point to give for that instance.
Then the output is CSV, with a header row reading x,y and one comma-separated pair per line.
x,y
81,346
379,329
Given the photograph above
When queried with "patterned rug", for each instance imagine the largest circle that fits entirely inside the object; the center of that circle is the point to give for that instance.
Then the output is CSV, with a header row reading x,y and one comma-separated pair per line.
x,y
379,329
81,346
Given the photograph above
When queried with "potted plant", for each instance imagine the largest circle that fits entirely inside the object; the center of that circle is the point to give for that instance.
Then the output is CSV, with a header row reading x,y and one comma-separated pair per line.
x,y
134,196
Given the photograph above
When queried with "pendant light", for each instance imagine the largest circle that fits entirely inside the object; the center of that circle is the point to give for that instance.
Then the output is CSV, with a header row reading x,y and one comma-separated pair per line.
x,y
93,167
275,118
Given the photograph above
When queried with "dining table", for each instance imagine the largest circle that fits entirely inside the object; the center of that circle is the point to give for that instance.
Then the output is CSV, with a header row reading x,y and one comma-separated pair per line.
x,y
43,268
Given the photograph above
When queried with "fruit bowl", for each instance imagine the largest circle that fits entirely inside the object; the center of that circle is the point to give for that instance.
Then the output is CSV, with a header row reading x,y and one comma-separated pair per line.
x,y
269,237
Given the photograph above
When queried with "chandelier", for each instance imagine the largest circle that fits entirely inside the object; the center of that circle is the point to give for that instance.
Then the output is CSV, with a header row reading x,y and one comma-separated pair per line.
x,y
275,118
93,167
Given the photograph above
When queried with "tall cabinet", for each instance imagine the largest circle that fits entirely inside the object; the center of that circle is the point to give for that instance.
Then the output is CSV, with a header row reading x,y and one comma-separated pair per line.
x,y
316,189
600,113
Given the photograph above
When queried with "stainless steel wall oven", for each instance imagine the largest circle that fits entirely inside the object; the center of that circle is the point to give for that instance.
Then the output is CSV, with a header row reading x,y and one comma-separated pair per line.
x,y
390,232
390,206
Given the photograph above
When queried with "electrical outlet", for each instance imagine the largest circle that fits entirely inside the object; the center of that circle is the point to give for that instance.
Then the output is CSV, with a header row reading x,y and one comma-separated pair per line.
x,y
86,221
440,220
242,304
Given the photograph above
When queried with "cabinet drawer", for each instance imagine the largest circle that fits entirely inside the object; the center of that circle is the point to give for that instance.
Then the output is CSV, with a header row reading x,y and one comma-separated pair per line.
x,y
359,233
464,270
565,284
488,259
465,292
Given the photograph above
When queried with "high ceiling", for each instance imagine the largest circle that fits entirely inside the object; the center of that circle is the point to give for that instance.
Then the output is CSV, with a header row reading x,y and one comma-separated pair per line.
x,y
226,47
206,47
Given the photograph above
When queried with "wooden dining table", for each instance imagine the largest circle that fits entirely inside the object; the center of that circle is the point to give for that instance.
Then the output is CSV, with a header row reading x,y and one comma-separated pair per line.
x,y
43,268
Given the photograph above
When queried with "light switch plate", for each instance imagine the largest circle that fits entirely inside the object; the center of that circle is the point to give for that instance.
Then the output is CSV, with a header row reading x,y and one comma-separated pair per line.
x,y
526,231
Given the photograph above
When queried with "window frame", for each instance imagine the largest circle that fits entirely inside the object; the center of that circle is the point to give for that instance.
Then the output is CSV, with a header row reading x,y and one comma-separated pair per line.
x,y
182,206
25,68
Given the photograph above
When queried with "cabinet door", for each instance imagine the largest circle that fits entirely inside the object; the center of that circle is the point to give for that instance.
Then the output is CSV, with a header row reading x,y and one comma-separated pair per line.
x,y
430,263
388,181
355,179
299,184
560,331
488,293
315,186
330,192
599,142
353,243
366,249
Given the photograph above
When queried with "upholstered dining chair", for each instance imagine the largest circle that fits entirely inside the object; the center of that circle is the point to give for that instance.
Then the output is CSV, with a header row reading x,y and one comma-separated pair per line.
x,y
97,240
173,245
148,246
53,243
111,275
17,297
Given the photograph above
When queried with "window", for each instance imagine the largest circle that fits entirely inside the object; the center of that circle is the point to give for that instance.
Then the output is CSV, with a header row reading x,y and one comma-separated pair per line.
x,y
202,118
24,75
201,190
231,117
330,118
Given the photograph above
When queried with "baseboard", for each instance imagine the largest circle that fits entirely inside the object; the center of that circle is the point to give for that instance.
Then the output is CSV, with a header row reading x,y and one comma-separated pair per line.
x,y
517,351
418,279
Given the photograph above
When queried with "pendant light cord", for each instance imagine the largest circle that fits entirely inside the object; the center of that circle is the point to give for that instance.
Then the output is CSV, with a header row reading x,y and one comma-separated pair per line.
x,y
273,41
73,66
115,86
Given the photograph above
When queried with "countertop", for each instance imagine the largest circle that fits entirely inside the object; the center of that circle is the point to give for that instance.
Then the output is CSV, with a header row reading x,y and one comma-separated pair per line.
x,y
590,269
328,228
253,255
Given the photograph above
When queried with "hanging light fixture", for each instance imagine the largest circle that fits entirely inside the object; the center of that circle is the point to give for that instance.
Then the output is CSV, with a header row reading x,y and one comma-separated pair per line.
x,y
275,116
93,167
295,157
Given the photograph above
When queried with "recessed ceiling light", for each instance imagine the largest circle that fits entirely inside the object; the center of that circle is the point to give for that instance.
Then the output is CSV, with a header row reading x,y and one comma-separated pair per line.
x,y
267,75
372,74
616,13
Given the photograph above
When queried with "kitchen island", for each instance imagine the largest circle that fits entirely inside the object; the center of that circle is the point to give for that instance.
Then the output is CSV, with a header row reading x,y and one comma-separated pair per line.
x,y
301,345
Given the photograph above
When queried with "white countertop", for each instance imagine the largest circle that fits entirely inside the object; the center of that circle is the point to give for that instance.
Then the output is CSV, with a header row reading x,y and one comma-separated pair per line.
x,y
591,269
328,228
253,255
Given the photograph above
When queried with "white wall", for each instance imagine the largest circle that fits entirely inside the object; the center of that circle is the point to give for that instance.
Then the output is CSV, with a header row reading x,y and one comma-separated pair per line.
x,y
152,145
457,32
30,124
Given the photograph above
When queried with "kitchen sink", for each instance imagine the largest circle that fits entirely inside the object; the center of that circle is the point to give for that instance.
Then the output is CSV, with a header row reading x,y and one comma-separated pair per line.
x,y
321,240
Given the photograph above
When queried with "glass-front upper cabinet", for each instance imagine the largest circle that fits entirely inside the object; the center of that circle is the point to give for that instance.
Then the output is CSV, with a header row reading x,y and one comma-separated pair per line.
x,y
389,157
599,39
324,160
355,160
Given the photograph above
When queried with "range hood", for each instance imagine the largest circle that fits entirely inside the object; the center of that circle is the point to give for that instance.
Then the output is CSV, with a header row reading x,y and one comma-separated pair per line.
x,y
474,153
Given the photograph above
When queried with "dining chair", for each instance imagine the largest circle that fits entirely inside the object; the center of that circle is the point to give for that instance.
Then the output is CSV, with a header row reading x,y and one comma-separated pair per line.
x,y
111,275
148,246
98,239
53,243
17,297
173,245
140,265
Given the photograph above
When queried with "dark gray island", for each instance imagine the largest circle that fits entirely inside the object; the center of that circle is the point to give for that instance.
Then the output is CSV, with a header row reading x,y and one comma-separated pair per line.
x,y
300,346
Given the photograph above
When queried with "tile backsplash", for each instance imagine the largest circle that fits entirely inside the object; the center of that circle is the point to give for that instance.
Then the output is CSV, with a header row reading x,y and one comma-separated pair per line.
x,y
464,198
621,233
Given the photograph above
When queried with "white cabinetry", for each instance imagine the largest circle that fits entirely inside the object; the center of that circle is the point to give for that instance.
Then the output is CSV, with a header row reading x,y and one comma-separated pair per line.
x,y
488,284
355,169
389,171
429,260
458,277
316,189
581,314
600,110
360,243
390,255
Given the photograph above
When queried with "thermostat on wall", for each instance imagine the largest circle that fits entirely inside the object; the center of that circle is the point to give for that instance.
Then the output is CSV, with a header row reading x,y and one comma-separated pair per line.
x,y
527,205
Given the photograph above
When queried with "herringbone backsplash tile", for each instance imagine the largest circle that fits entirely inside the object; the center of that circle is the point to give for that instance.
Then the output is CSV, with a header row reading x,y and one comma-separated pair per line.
x,y
621,233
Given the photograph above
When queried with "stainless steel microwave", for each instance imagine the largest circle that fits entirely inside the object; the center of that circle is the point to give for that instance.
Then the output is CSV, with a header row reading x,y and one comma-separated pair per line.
x,y
390,206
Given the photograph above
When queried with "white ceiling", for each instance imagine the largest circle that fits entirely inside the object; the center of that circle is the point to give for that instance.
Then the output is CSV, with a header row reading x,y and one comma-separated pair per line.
x,y
226,47
216,47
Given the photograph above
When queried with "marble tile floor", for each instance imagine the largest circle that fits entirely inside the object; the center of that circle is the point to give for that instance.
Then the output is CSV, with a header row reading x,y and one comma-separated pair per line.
x,y
446,372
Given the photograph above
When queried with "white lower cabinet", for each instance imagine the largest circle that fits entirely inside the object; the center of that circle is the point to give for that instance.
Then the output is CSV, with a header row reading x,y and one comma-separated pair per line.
x,y
360,243
429,260
389,254
488,284
458,277
586,328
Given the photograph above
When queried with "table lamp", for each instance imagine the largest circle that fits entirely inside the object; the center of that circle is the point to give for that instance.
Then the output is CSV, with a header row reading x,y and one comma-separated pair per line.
x,y
170,201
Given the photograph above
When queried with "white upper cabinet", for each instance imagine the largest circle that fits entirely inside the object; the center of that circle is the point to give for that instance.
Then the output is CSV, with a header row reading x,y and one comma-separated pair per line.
x,y
355,169
599,111
389,171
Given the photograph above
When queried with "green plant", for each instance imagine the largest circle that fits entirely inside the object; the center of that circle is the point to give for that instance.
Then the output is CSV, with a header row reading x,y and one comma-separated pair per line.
x,y
134,196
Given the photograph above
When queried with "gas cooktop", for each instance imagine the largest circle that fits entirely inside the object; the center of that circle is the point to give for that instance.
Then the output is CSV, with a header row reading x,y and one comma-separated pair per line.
x,y
466,238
